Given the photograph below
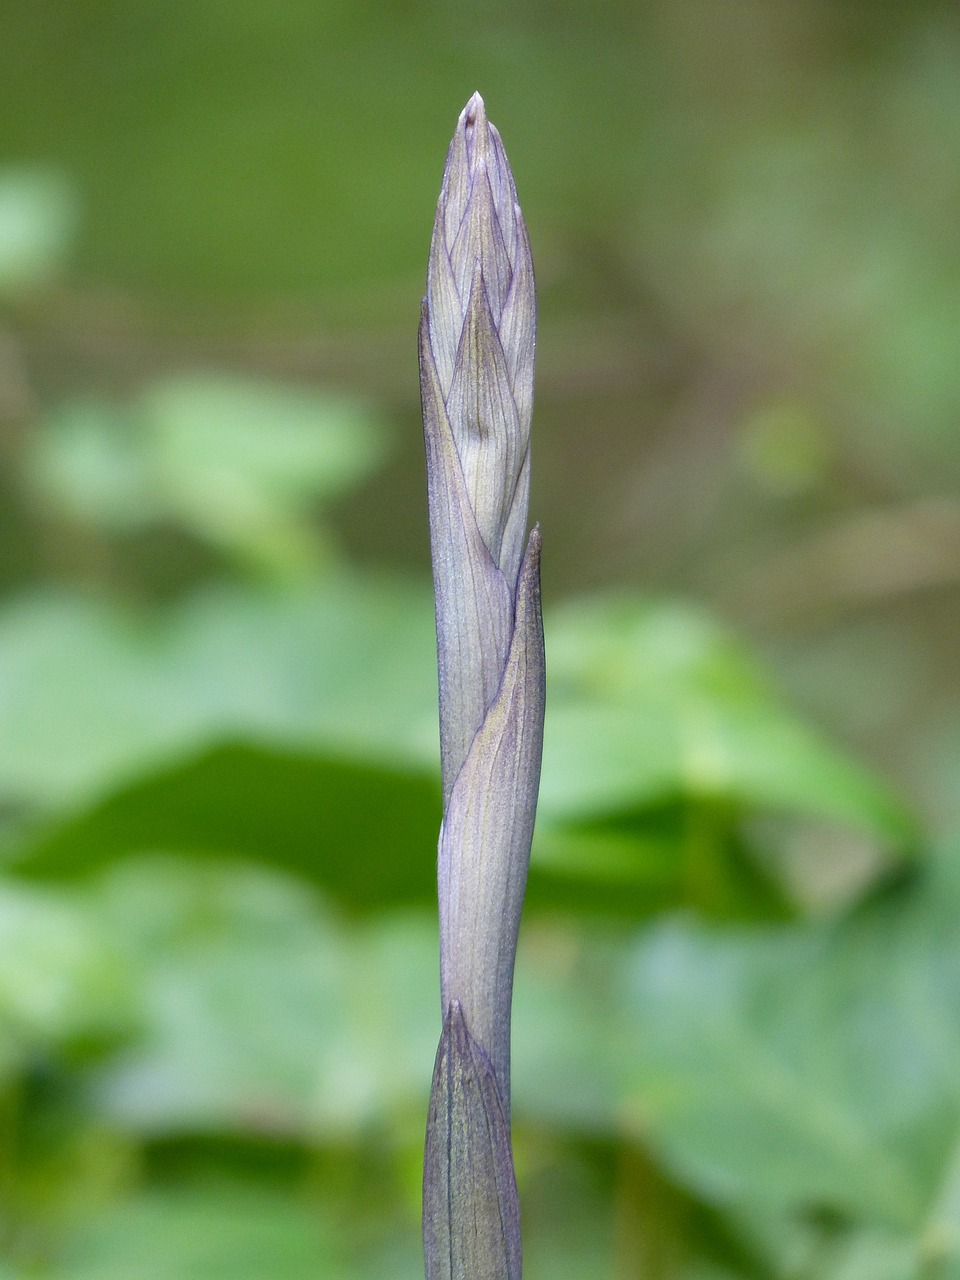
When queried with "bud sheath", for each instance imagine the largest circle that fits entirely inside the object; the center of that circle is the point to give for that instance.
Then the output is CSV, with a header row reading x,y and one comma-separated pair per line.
x,y
477,339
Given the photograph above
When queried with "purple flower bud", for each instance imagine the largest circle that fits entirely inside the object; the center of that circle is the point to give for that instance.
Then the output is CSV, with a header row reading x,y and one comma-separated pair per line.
x,y
477,338
481,330
471,1216
486,835
477,341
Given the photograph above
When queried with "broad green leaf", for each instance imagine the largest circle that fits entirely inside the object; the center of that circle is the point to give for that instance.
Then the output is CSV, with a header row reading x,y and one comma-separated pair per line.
x,y
806,1065
772,1072
365,832
92,697
37,215
743,1114
251,722
261,1013
649,702
658,858
870,1254
202,1233
240,464
61,981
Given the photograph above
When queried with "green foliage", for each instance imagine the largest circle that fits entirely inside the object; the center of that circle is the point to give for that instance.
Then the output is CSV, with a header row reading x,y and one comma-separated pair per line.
x,y
226,1235
812,1067
60,986
36,223
236,463
736,1032
295,729
653,701
94,694
217,921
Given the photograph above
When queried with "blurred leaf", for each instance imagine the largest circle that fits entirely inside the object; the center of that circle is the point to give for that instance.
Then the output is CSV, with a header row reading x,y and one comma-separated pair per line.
x,y
366,833
202,1234
567,1060
806,1066
774,1073
651,702
37,215
687,853
260,1012
60,980
92,697
238,463
878,1255
646,702
660,737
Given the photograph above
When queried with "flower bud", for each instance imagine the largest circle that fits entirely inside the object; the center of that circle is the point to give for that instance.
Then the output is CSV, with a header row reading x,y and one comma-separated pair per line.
x,y
481,319
469,1177
476,376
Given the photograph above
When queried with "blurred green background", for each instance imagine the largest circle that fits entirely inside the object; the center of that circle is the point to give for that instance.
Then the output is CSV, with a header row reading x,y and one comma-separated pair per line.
x,y
737,1023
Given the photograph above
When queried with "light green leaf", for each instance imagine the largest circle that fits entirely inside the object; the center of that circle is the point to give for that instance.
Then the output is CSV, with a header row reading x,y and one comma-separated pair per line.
x,y
654,702
232,1233
113,722
240,464
37,215
60,978
261,1013
871,1254
806,1065
365,833
91,697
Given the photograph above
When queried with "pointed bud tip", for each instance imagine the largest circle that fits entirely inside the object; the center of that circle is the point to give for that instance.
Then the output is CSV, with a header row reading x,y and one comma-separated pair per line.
x,y
476,129
474,110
